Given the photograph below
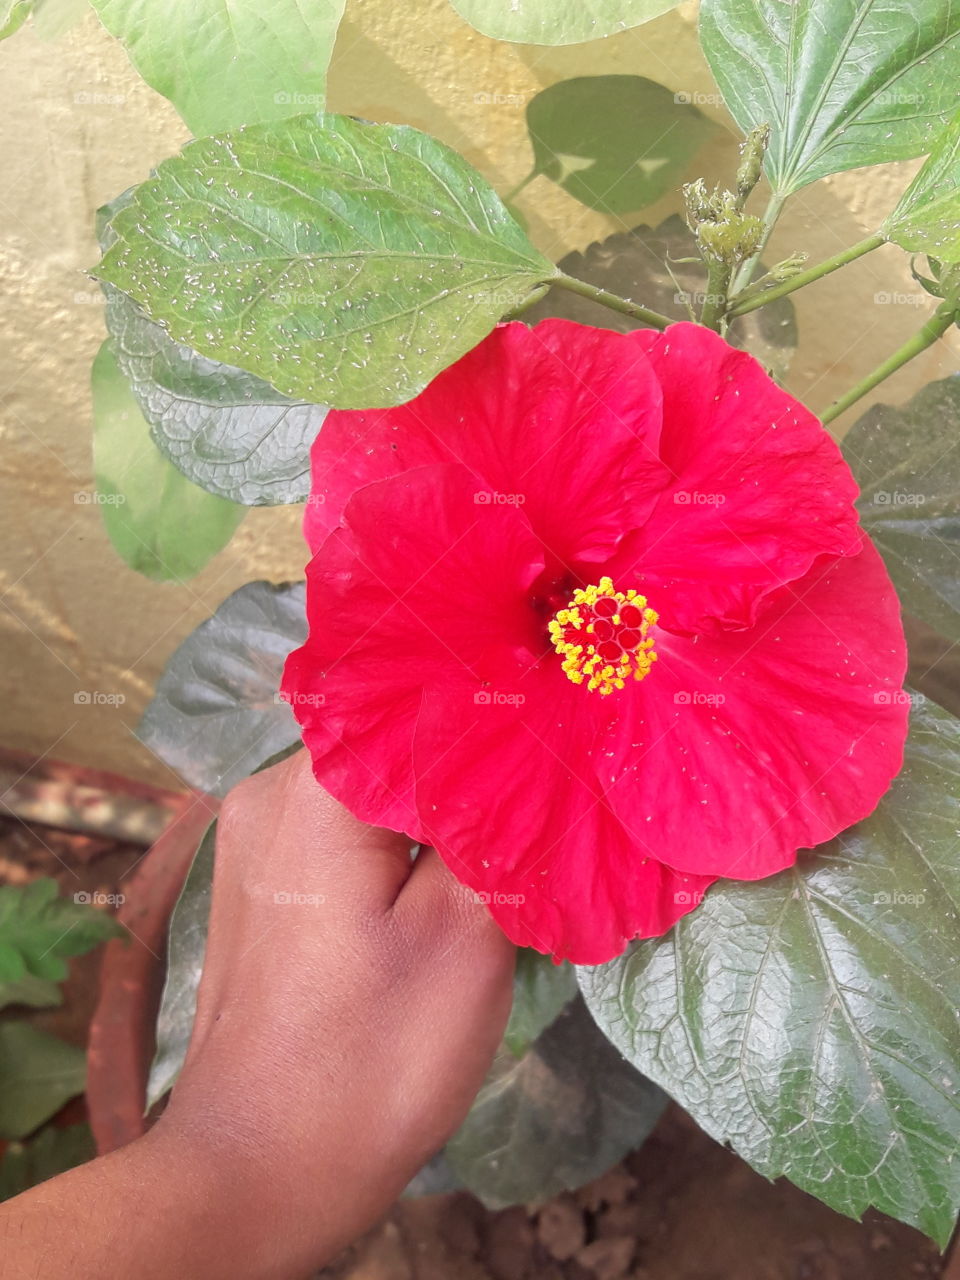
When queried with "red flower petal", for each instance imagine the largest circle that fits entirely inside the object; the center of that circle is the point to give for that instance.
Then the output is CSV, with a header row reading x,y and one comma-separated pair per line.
x,y
741,748
394,606
759,488
560,419
511,803
433,700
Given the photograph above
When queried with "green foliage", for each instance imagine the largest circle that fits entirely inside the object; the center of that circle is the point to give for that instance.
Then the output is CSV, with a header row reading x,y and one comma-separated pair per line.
x,y
38,1074
13,14
38,930
615,143
843,83
558,21
906,463
185,953
810,1019
215,715
345,263
558,1117
223,65
226,430
30,992
659,267
161,524
541,990
52,1151
927,219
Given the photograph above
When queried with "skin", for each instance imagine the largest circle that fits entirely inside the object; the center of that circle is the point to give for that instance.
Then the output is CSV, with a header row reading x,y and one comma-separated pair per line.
x,y
340,1039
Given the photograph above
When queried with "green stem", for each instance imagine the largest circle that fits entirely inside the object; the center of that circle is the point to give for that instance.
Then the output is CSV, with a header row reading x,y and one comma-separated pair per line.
x,y
806,277
770,219
935,328
715,301
611,300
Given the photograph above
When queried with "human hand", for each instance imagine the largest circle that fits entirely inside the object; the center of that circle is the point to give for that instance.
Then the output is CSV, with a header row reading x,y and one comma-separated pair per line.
x,y
349,1009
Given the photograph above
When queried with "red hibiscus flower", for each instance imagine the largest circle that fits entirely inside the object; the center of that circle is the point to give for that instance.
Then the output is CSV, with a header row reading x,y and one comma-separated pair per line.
x,y
593,615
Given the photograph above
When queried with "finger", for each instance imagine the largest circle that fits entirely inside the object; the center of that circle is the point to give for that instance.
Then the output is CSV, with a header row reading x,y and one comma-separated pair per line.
x,y
433,894
318,847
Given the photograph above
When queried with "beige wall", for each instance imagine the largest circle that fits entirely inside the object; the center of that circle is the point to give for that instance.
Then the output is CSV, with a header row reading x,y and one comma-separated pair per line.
x,y
72,616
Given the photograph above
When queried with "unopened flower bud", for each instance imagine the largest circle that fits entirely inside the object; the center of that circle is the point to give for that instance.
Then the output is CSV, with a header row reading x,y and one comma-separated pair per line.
x,y
752,151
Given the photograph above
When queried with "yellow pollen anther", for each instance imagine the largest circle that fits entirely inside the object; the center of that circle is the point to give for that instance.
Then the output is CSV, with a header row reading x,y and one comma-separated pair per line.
x,y
602,637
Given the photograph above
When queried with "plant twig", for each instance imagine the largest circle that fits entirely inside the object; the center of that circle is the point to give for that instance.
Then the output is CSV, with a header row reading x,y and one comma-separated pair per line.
x,y
612,300
935,328
762,297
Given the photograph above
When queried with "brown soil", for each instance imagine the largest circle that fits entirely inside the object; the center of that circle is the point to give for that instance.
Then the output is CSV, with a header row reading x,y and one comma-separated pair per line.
x,y
681,1208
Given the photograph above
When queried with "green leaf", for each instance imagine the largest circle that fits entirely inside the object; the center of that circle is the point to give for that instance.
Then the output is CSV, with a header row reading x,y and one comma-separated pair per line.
x,y
216,714
435,1179
907,464
229,432
54,18
52,1151
810,1020
345,263
651,265
615,143
38,930
162,525
927,219
29,991
554,1120
13,14
541,990
842,83
185,953
558,21
38,1074
223,65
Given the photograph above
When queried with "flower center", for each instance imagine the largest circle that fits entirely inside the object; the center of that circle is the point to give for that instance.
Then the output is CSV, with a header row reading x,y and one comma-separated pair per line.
x,y
602,637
